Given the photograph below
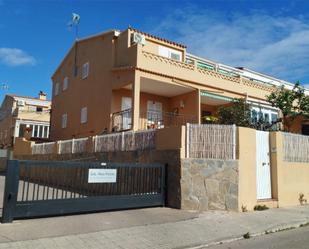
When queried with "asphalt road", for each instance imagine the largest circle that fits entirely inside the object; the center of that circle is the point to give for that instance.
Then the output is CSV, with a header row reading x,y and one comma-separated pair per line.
x,y
291,239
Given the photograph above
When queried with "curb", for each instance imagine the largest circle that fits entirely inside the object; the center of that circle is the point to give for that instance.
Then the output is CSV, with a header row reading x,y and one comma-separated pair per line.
x,y
240,237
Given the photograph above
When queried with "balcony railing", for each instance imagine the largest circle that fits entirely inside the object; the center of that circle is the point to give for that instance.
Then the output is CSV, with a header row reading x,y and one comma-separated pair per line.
x,y
158,120
122,120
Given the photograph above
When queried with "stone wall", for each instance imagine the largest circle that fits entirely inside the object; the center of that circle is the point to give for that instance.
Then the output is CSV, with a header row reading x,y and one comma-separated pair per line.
x,y
209,184
171,158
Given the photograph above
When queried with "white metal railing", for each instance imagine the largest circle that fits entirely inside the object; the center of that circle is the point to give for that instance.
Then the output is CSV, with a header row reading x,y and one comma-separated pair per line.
x,y
211,141
295,148
79,145
65,146
125,141
44,148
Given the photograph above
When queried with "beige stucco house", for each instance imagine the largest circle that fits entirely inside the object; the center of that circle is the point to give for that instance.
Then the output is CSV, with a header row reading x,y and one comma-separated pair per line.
x,y
116,81
18,113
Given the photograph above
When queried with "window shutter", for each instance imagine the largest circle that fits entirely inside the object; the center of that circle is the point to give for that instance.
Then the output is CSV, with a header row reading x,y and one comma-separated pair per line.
x,y
83,115
64,120
85,70
65,83
56,88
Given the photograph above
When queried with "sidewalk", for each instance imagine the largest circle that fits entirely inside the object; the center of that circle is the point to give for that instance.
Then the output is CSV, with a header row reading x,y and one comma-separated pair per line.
x,y
174,228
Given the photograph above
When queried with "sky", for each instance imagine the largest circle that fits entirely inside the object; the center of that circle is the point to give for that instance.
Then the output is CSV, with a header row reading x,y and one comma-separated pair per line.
x,y
268,36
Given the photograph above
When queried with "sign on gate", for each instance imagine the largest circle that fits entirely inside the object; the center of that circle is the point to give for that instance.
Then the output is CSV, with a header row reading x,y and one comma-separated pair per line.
x,y
102,175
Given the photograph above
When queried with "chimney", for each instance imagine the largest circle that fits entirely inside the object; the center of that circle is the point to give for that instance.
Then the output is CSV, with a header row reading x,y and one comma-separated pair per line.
x,y
42,95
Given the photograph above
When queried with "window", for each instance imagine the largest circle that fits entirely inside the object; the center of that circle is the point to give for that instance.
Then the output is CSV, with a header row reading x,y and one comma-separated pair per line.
x,y
35,133
65,83
56,88
154,114
39,109
254,116
85,70
46,130
22,129
40,133
83,115
64,120
170,53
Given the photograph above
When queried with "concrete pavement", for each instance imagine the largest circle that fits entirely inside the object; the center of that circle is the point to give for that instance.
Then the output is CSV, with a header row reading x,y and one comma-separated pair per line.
x,y
133,229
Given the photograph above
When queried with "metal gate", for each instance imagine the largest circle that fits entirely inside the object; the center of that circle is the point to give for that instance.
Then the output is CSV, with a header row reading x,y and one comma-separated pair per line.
x,y
43,188
263,176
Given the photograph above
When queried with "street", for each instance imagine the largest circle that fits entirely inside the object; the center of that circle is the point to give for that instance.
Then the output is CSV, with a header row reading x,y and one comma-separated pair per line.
x,y
289,239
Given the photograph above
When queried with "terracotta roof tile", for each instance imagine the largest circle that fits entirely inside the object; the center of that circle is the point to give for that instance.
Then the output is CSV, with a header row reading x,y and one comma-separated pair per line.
x,y
158,38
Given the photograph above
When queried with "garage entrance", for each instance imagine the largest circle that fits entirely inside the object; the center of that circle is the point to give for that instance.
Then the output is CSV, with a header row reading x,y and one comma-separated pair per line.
x,y
45,188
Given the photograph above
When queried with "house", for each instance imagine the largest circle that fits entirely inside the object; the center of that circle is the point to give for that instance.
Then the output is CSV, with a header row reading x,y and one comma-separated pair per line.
x,y
19,113
116,81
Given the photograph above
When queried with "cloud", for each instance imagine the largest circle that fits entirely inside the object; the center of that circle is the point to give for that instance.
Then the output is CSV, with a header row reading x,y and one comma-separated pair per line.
x,y
275,45
15,57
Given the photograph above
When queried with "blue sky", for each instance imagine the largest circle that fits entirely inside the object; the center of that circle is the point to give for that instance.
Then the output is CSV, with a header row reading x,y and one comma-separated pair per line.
x,y
267,36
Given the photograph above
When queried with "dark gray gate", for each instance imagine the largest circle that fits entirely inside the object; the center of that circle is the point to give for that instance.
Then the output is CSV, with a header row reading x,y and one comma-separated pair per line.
x,y
43,188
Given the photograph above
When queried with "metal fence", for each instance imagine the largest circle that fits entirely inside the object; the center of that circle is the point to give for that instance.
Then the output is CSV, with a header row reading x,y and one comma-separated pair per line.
x,y
125,141
211,141
295,148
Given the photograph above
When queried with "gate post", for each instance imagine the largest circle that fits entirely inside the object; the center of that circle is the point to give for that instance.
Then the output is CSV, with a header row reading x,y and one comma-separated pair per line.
x,y
10,191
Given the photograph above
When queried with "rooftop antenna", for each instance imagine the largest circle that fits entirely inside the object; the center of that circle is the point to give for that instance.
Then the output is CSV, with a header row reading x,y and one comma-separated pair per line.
x,y
74,23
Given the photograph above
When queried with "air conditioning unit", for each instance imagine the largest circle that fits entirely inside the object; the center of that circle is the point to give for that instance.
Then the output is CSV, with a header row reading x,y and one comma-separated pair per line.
x,y
21,103
138,39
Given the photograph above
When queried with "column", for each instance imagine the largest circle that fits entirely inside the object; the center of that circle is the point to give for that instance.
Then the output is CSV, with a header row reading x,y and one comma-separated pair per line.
x,y
136,102
198,106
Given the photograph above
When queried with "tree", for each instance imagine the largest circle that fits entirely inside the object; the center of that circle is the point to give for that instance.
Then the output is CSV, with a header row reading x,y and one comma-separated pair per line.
x,y
292,103
239,113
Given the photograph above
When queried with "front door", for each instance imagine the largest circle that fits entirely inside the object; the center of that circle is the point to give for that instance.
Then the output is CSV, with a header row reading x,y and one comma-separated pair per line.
x,y
263,176
126,108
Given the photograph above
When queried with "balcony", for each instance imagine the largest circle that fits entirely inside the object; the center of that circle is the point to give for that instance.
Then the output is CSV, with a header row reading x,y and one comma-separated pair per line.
x,y
205,73
122,121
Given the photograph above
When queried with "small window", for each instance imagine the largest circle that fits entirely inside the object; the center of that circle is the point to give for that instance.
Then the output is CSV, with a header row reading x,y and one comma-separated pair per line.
x,y
85,71
64,120
39,109
56,88
83,115
65,83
